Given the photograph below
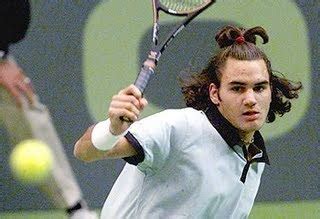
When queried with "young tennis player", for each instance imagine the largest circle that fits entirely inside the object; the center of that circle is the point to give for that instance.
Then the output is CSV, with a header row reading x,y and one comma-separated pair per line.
x,y
62,188
204,161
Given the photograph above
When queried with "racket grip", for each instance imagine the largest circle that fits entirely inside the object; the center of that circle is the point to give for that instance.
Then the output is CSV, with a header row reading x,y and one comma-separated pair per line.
x,y
141,83
143,77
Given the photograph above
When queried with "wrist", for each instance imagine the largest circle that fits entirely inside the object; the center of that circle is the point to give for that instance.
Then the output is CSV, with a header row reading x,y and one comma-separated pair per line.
x,y
115,130
102,138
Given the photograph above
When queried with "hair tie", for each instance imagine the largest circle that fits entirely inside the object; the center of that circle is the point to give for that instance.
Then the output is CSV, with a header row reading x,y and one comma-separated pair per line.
x,y
240,39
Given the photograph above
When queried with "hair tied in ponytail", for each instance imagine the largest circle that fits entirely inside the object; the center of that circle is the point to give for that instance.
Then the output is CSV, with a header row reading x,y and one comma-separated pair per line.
x,y
240,39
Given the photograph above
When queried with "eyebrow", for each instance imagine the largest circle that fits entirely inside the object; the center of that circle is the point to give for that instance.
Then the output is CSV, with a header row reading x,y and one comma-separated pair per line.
x,y
243,83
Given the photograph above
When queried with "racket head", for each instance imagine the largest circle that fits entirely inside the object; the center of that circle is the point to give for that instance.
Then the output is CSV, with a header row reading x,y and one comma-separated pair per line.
x,y
181,7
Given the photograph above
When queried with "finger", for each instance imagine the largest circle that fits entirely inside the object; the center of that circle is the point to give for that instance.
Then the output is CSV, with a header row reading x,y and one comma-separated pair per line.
x,y
125,105
29,91
117,113
26,89
132,90
15,94
143,103
126,98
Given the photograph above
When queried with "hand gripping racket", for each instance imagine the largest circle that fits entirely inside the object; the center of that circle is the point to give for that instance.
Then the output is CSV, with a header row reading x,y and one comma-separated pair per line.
x,y
187,8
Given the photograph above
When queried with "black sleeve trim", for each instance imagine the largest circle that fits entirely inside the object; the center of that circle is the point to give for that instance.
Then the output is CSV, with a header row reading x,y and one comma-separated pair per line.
x,y
135,160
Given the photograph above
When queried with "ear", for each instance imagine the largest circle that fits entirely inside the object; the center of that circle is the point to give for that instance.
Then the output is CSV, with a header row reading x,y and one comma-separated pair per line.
x,y
214,94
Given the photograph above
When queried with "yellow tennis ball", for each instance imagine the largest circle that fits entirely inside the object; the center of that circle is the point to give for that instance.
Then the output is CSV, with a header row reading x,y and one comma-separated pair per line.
x,y
31,161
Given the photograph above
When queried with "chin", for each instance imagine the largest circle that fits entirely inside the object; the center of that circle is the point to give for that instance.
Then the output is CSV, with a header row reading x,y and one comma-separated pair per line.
x,y
251,127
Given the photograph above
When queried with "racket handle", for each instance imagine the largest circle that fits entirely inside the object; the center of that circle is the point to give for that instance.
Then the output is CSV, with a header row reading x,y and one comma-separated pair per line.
x,y
141,83
143,77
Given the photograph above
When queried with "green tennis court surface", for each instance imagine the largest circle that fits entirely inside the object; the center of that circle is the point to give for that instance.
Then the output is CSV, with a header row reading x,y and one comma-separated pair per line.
x,y
281,210
286,210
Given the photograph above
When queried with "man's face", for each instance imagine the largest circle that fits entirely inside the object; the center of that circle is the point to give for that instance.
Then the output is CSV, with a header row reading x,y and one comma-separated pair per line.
x,y
244,95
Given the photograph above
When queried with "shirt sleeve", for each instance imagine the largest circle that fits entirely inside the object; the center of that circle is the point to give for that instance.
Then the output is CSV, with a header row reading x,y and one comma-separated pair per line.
x,y
155,138
14,22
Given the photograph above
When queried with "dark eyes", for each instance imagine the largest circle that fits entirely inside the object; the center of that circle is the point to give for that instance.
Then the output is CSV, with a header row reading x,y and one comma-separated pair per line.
x,y
259,88
237,88
240,89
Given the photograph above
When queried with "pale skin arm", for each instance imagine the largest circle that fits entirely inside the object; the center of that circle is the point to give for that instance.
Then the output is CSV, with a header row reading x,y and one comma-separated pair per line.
x,y
129,103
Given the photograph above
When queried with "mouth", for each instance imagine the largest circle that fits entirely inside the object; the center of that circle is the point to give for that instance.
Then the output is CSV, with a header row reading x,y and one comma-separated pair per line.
x,y
251,115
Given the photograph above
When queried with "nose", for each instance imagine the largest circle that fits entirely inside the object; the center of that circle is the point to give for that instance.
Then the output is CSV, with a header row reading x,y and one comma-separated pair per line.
x,y
249,98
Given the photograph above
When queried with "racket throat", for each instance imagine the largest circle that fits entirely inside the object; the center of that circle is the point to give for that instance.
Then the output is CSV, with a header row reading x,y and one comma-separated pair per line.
x,y
153,56
155,34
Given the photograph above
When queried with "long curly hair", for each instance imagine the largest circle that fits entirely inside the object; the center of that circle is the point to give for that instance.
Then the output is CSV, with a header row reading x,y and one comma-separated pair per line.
x,y
195,89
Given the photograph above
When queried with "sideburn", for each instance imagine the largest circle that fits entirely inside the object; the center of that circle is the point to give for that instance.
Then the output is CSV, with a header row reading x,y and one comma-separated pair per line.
x,y
219,98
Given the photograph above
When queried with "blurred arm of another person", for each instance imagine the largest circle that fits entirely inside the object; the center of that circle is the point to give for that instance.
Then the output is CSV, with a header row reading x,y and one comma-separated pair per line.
x,y
14,22
13,79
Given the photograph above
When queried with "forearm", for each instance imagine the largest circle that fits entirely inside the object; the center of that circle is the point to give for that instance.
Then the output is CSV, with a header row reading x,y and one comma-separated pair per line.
x,y
84,149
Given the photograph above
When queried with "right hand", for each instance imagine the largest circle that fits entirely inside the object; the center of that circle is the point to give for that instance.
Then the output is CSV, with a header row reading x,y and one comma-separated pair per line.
x,y
127,103
15,82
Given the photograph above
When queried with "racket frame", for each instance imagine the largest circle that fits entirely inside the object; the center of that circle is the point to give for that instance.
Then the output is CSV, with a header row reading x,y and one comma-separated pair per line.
x,y
156,49
149,65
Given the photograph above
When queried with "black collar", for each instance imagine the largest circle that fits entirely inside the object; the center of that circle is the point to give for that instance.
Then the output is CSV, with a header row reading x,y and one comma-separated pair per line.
x,y
230,134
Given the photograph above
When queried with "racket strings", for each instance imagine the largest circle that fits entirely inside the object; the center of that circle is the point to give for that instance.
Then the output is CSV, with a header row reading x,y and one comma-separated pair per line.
x,y
183,6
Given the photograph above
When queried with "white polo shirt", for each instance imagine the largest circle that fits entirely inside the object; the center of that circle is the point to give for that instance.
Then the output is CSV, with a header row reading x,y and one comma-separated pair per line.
x,y
188,167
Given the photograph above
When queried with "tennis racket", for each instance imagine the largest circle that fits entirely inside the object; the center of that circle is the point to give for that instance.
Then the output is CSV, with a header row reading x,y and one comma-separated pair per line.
x,y
187,8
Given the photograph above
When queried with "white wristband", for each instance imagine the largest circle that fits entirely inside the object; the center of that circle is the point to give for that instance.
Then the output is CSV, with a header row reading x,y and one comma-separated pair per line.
x,y
102,138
